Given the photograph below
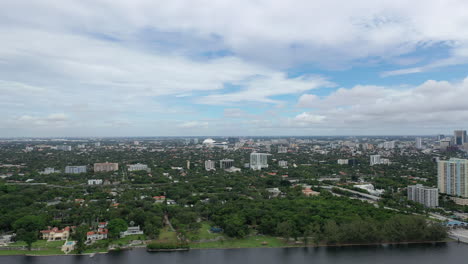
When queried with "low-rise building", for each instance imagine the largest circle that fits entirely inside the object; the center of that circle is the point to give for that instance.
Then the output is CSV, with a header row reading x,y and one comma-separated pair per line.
x,y
138,167
132,230
54,234
75,169
100,234
95,182
106,167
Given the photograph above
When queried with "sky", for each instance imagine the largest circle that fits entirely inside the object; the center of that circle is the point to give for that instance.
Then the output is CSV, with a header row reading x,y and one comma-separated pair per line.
x,y
233,68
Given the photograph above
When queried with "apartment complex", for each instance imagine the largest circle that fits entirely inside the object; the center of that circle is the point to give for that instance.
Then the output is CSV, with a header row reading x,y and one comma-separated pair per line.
x,y
75,169
427,196
452,177
258,161
106,167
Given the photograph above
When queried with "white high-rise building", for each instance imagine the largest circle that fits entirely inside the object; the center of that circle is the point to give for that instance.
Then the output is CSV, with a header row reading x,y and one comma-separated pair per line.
x,y
374,159
419,143
64,147
210,165
258,161
427,196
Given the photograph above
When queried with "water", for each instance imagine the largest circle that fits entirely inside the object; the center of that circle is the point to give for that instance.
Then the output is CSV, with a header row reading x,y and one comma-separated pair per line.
x,y
451,252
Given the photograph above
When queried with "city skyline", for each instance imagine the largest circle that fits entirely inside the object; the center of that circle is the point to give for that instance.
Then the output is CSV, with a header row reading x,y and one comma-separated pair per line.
x,y
119,68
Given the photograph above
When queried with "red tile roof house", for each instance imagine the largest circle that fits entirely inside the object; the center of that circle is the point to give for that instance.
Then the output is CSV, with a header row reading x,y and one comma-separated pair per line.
x,y
54,234
99,235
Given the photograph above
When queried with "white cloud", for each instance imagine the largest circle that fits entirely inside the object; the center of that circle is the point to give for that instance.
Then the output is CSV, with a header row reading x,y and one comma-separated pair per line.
x,y
433,104
194,124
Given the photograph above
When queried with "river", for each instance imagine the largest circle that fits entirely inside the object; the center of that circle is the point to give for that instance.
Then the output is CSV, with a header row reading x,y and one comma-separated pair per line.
x,y
450,252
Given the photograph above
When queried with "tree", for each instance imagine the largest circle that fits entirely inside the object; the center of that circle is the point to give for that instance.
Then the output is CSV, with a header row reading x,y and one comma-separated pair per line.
x,y
27,228
331,232
116,226
285,229
80,237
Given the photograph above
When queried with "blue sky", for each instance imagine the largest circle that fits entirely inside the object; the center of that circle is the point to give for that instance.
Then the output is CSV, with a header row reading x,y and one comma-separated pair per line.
x,y
247,68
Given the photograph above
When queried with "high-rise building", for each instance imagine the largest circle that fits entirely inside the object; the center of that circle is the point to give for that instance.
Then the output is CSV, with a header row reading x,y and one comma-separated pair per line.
x,y
137,167
282,149
226,163
459,137
374,159
452,177
106,167
210,165
188,164
258,161
419,143
75,169
427,196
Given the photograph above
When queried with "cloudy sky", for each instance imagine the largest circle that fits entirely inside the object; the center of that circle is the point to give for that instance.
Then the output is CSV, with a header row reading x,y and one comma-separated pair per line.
x,y
257,67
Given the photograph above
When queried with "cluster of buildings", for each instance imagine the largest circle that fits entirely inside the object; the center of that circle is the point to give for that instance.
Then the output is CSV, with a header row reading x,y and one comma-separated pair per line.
x,y
258,161
378,160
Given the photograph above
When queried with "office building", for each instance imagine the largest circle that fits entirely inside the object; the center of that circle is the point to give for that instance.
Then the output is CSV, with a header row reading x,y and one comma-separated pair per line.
x,y
374,160
75,169
226,163
429,197
419,143
106,167
452,177
459,137
258,161
137,167
210,165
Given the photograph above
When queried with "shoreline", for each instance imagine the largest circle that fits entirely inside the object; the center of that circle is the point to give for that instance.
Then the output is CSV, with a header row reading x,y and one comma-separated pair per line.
x,y
226,248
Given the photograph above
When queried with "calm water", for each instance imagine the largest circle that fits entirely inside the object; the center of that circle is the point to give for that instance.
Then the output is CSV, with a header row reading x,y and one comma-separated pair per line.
x,y
402,254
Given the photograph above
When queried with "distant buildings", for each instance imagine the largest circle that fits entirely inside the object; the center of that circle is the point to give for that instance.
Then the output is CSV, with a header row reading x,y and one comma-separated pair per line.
x,y
370,189
210,165
343,162
226,163
419,143
389,144
445,143
95,182
48,171
64,147
459,137
282,149
374,159
283,164
429,197
75,169
106,167
137,167
258,161
452,177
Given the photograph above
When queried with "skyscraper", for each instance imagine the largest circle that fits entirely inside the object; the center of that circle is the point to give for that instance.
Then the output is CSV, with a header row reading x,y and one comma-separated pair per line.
x,y
452,176
459,137
419,143
258,161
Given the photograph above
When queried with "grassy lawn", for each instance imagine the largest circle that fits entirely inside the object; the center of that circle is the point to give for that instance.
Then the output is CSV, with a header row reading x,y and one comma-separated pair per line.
x,y
167,235
204,232
126,240
248,242
39,244
51,251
